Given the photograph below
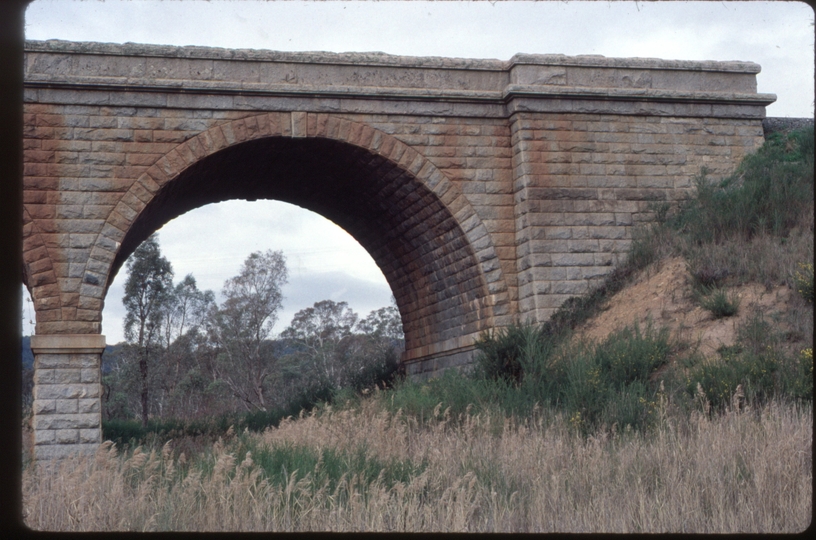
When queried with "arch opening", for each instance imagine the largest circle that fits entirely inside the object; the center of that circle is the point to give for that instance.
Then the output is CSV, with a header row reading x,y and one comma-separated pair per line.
x,y
211,242
412,236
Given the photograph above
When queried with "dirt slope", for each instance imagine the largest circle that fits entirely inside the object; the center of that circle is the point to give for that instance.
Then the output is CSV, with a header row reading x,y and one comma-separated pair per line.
x,y
663,294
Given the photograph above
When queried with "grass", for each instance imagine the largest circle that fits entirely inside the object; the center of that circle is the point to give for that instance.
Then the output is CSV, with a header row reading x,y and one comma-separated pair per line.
x,y
718,301
368,469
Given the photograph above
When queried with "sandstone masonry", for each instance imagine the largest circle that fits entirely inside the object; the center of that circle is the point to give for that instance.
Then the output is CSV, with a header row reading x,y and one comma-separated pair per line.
x,y
487,191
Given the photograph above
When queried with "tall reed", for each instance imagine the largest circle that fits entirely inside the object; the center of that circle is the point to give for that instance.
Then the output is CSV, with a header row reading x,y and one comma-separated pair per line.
x,y
733,473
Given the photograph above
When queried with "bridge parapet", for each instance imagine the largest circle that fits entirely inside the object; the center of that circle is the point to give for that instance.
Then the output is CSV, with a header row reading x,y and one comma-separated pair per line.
x,y
246,79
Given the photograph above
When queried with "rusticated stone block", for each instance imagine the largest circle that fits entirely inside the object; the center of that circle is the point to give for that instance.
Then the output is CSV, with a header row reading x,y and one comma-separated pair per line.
x,y
65,421
44,406
45,436
66,406
88,406
65,436
90,436
66,391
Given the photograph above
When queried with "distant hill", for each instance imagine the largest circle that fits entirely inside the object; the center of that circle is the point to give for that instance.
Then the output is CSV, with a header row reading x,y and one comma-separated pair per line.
x,y
28,356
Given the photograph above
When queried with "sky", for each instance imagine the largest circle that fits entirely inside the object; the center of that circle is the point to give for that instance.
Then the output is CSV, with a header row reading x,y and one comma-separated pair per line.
x,y
325,262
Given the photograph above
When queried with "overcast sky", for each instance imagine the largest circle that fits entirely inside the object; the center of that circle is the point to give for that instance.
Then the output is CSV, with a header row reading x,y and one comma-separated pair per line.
x,y
325,262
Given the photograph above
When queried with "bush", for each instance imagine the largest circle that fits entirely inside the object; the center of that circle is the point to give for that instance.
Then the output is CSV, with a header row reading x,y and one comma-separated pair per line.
x,y
768,193
759,364
592,384
611,382
504,354
804,281
718,301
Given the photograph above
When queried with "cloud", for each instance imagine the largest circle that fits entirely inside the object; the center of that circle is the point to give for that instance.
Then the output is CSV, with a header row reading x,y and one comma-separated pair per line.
x,y
777,35
211,242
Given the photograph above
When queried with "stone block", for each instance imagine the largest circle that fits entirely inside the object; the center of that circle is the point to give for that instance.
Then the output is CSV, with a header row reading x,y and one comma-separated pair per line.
x,y
66,406
44,376
90,375
85,406
572,288
44,406
89,436
45,436
66,436
65,421
66,391
66,376
63,451
573,259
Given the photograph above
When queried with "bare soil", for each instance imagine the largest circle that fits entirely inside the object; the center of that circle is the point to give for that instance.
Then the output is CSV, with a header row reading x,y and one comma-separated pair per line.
x,y
663,295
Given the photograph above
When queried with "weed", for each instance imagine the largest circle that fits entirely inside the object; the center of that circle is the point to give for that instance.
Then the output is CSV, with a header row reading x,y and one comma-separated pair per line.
x,y
804,281
718,301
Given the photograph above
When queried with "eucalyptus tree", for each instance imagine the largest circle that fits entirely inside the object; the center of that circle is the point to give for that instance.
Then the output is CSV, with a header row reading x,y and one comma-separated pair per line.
x,y
320,333
184,346
334,348
147,289
241,325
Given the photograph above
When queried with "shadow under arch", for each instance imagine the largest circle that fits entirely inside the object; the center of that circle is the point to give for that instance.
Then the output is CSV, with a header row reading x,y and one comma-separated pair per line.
x,y
420,230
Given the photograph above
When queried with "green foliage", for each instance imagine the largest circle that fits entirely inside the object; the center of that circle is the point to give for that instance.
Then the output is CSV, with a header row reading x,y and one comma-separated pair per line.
x,y
592,384
149,283
610,382
454,393
329,466
505,353
804,281
768,193
718,301
759,364
380,369
159,430
799,379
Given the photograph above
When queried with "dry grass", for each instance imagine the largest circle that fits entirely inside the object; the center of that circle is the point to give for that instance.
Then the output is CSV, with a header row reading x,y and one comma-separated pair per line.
x,y
745,472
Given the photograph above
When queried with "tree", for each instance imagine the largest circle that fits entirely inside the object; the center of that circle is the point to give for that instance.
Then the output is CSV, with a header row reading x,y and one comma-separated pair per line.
x,y
319,332
243,323
150,277
184,313
385,323
333,349
185,309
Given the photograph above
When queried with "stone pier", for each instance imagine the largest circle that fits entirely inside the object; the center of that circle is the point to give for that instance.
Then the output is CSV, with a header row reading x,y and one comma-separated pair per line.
x,y
67,391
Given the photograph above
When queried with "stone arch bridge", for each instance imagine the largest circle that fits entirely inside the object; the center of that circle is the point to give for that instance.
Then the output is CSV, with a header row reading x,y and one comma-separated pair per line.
x,y
487,191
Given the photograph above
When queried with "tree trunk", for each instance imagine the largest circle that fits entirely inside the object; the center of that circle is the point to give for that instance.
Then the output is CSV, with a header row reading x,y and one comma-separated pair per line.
x,y
143,371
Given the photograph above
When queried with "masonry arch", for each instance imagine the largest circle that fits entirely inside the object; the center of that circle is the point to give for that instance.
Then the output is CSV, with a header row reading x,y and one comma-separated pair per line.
x,y
433,249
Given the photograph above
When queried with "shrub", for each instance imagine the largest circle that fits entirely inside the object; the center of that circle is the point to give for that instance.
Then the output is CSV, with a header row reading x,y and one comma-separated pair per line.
x,y
505,353
718,301
804,281
592,384
768,193
759,364
611,382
